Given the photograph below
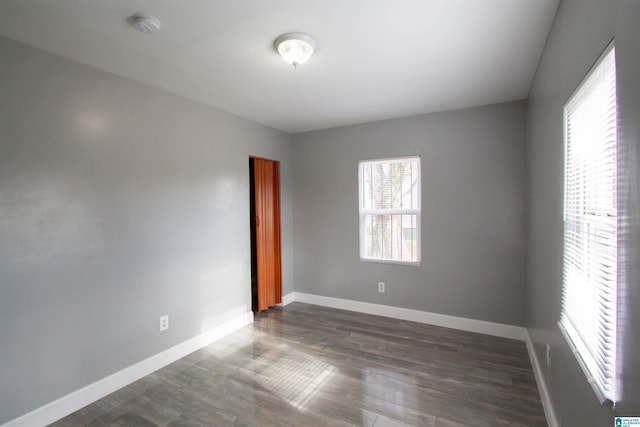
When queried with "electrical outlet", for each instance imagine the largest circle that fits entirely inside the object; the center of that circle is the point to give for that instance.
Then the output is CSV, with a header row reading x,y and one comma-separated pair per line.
x,y
164,322
381,287
548,355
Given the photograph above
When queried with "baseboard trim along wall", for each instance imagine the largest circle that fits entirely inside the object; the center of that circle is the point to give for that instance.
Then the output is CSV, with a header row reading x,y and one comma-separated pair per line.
x,y
78,399
287,299
460,323
549,413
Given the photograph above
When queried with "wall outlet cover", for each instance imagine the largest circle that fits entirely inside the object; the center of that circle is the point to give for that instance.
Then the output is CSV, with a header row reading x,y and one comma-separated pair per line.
x,y
164,322
548,355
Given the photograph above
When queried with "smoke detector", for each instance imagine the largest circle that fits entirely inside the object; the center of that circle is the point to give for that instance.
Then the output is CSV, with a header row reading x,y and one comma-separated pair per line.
x,y
145,23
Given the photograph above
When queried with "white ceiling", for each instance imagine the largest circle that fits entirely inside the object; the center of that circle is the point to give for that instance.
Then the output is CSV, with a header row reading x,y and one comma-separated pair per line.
x,y
376,59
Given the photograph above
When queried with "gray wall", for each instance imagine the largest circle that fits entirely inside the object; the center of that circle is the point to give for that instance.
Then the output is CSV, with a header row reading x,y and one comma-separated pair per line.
x,y
473,214
581,31
118,203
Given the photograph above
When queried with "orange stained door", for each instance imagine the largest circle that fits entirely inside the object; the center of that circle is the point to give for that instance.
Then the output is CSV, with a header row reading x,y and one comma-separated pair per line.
x,y
267,229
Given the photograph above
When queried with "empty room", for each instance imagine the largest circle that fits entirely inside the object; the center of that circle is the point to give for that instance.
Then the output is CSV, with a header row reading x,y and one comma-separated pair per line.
x,y
319,213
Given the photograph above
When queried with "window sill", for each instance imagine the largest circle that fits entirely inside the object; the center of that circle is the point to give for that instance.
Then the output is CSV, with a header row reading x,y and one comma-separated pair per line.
x,y
390,261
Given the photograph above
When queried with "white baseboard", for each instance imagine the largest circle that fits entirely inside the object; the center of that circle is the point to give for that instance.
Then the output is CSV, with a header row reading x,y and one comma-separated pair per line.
x,y
460,323
78,399
287,299
549,413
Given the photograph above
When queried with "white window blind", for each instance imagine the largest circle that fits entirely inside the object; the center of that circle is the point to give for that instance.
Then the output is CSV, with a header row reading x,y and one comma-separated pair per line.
x,y
589,294
389,198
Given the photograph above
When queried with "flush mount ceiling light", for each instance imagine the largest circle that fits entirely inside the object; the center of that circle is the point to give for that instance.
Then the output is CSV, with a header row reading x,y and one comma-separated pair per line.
x,y
145,23
295,48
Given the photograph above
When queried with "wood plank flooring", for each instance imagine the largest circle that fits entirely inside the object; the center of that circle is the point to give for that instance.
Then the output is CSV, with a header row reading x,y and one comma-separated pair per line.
x,y
305,365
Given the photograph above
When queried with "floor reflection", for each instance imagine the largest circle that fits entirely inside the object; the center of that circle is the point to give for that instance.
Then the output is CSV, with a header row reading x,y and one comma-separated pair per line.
x,y
385,386
290,374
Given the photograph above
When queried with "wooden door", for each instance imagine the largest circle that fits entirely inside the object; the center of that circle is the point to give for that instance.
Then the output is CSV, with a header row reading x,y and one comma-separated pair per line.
x,y
268,274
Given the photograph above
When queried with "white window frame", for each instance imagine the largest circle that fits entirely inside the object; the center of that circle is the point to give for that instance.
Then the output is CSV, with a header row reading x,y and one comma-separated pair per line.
x,y
589,292
363,211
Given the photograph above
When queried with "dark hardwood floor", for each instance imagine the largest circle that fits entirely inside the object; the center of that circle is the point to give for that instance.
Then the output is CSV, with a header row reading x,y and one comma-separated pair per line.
x,y
305,365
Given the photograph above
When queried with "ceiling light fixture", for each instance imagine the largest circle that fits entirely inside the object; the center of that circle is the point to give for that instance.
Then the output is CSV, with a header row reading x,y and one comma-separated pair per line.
x,y
295,48
145,23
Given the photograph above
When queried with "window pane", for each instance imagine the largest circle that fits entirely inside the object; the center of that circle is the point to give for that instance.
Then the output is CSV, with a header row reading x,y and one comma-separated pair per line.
x,y
390,185
391,237
588,317
390,210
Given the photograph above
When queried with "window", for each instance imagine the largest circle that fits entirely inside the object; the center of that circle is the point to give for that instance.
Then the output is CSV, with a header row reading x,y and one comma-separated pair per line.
x,y
589,293
390,210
